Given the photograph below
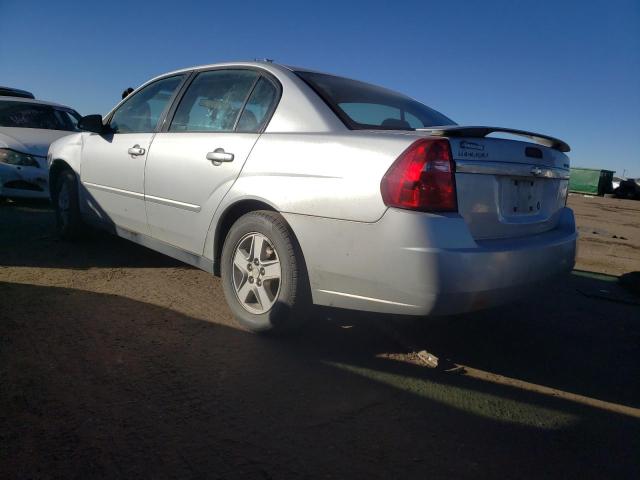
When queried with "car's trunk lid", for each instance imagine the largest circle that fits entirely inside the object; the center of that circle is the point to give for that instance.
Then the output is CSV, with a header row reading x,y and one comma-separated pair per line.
x,y
507,188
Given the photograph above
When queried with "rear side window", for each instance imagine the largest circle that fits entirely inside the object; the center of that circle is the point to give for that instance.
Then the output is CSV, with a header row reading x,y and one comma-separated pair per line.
x,y
260,103
33,115
141,112
213,101
361,105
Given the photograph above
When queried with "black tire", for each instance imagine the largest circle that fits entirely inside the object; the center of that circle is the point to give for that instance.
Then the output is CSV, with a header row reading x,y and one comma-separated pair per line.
x,y
292,302
69,225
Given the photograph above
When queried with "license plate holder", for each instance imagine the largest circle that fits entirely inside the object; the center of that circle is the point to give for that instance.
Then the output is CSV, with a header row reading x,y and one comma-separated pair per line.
x,y
521,196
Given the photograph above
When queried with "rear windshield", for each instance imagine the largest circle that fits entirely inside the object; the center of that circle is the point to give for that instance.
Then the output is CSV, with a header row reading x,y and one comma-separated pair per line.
x,y
364,106
34,115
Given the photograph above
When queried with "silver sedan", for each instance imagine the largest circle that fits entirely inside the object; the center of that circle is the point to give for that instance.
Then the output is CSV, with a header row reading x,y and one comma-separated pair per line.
x,y
299,188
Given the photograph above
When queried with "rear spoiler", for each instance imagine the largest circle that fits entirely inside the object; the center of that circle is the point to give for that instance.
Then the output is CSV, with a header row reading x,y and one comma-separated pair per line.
x,y
480,132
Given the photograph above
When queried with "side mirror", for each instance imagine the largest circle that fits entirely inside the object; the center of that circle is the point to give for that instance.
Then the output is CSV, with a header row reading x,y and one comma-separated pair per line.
x,y
92,123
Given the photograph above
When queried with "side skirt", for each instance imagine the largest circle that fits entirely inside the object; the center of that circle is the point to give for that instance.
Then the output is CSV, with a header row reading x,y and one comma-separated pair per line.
x,y
189,258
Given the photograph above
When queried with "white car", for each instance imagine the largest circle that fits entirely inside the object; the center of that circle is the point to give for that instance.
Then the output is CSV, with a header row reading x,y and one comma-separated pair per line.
x,y
300,187
27,128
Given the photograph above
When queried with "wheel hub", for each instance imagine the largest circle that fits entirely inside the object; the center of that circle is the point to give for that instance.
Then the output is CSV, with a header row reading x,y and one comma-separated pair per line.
x,y
256,273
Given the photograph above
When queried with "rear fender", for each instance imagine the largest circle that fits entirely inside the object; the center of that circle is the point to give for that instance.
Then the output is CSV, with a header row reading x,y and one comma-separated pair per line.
x,y
323,175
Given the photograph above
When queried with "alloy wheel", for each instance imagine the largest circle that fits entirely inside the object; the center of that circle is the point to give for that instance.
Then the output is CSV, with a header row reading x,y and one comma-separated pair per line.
x,y
256,273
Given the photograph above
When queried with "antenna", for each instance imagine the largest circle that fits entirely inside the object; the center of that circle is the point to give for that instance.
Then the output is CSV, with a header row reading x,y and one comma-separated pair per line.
x,y
267,60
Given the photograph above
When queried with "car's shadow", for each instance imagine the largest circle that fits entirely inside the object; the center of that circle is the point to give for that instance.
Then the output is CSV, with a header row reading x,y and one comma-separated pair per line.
x,y
103,385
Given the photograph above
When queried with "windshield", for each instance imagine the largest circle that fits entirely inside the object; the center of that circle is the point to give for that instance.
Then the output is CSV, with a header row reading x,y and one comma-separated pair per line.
x,y
364,106
34,115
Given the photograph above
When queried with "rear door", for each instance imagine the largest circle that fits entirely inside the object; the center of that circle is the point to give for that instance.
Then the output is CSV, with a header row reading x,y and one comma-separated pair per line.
x,y
509,188
196,158
113,164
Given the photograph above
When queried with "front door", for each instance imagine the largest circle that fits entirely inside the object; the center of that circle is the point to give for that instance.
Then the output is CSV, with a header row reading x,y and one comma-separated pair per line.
x,y
112,171
193,164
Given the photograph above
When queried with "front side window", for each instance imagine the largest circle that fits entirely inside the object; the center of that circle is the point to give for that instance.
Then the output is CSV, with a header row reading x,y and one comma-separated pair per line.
x,y
34,115
141,112
364,106
213,101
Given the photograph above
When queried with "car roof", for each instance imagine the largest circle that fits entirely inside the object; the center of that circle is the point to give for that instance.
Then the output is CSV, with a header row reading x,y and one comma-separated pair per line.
x,y
256,64
31,100
268,65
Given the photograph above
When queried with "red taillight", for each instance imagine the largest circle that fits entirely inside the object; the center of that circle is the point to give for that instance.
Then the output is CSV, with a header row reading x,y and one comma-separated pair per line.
x,y
422,178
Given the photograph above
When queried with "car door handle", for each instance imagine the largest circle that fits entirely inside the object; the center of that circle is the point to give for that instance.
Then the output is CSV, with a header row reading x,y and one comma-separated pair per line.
x,y
136,150
219,155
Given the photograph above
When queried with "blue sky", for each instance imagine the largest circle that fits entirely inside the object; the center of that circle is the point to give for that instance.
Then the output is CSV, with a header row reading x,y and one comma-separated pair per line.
x,y
568,69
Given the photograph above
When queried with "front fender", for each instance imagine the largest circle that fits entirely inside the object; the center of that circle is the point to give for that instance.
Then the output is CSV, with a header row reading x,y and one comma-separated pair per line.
x,y
68,150
64,153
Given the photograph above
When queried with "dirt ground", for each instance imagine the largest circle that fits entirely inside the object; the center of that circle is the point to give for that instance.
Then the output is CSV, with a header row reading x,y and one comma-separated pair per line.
x,y
609,234
117,362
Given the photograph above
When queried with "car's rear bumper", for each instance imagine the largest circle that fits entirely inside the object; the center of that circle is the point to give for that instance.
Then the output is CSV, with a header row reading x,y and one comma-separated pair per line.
x,y
420,264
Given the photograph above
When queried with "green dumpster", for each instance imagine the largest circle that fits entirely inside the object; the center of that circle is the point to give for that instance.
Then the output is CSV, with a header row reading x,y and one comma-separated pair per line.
x,y
592,181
